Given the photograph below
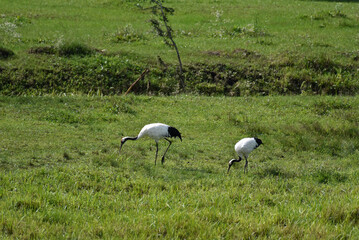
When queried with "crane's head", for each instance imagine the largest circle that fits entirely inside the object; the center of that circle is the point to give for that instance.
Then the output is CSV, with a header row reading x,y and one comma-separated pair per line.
x,y
230,163
123,140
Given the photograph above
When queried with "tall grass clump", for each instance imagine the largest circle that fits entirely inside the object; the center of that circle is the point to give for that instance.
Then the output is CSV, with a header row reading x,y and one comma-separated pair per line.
x,y
6,53
127,34
74,49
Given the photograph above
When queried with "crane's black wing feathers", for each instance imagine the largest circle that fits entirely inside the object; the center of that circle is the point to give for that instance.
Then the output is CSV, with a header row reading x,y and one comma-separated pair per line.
x,y
173,132
258,141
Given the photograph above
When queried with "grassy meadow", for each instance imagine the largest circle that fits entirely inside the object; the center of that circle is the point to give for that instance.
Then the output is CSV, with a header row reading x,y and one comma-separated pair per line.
x,y
62,177
232,47
285,71
267,27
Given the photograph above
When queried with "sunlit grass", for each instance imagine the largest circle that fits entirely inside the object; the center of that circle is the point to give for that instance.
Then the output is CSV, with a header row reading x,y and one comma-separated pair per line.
x,y
308,27
233,48
61,175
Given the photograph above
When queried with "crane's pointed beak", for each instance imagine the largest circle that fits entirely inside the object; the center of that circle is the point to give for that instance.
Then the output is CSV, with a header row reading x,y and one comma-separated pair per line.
x,y
229,167
119,152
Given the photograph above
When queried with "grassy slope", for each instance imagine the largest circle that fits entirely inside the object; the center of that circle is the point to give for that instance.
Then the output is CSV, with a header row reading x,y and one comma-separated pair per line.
x,y
61,176
307,27
236,48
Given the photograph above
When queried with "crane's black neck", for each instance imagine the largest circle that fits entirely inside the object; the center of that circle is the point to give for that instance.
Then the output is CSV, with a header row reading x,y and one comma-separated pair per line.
x,y
235,160
128,138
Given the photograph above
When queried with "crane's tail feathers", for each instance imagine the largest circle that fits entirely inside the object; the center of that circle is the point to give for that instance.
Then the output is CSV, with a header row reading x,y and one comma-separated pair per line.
x,y
173,132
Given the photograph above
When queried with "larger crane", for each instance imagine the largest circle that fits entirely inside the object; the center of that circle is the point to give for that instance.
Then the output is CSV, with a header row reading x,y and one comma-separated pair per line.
x,y
156,131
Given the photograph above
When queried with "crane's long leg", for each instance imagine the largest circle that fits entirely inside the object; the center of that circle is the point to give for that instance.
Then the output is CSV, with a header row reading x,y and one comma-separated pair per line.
x,y
246,165
163,157
156,152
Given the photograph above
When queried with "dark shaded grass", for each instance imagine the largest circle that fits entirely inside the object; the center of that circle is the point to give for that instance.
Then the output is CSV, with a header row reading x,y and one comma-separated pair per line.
x,y
108,75
5,53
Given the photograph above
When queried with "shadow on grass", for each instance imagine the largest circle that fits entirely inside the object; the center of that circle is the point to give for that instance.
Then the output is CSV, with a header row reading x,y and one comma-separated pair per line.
x,y
325,176
187,173
274,171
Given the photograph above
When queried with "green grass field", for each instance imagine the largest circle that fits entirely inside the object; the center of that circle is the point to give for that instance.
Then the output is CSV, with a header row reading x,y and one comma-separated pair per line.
x,y
267,27
236,48
290,66
62,178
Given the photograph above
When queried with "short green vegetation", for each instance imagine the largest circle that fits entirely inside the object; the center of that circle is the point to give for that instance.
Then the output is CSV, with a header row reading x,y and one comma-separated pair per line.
x,y
231,47
61,176
285,71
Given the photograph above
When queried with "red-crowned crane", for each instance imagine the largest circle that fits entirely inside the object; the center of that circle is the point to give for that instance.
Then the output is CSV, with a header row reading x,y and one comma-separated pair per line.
x,y
156,131
243,148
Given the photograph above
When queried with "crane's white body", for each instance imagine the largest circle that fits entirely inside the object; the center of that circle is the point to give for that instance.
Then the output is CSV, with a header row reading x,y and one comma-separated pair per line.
x,y
245,146
156,131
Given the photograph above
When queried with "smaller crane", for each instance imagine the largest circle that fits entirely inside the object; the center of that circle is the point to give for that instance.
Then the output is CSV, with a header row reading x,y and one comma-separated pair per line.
x,y
156,131
243,148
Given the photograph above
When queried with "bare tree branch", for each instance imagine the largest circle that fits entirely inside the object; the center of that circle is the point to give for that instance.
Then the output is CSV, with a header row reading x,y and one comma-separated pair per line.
x,y
161,11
